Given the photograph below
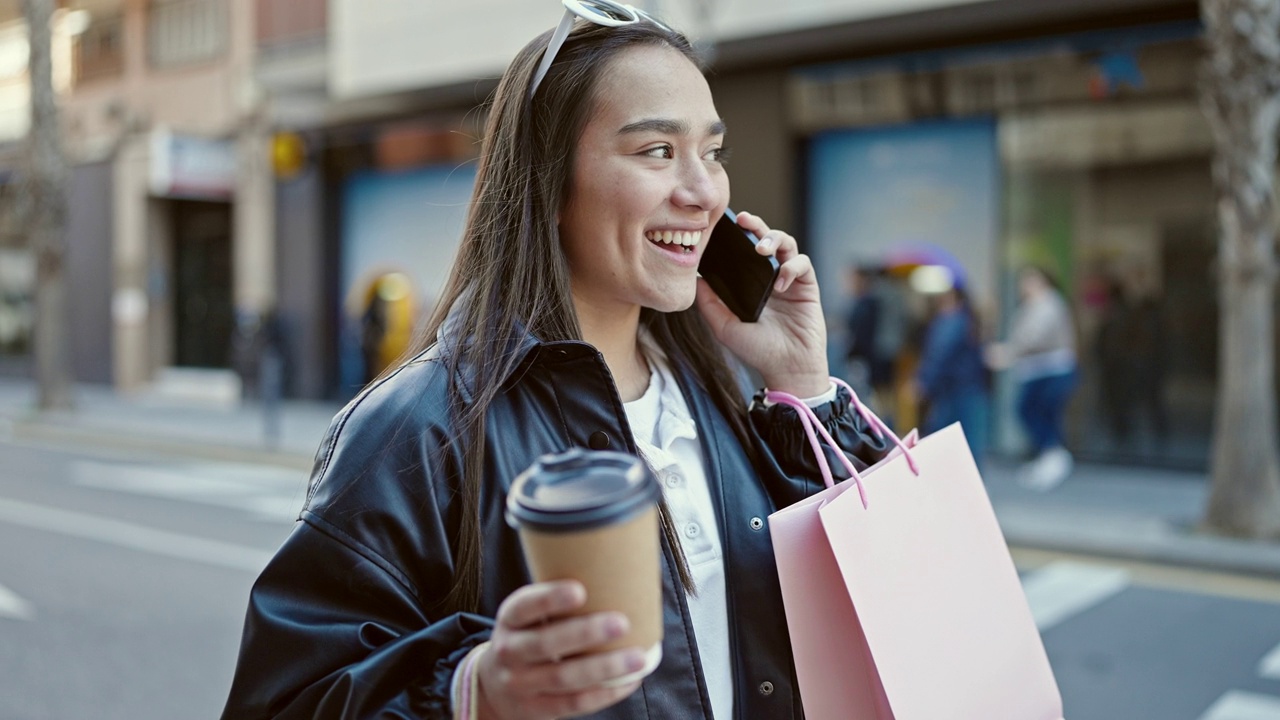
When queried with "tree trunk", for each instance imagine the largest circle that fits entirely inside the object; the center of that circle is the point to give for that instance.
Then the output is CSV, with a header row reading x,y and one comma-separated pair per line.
x,y
1240,91
47,222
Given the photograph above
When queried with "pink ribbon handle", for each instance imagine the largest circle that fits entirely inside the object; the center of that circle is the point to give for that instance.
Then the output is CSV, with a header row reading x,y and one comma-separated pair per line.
x,y
813,427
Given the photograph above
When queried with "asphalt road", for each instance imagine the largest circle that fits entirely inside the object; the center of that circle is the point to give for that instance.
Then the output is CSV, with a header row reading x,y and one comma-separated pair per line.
x,y
125,580
124,577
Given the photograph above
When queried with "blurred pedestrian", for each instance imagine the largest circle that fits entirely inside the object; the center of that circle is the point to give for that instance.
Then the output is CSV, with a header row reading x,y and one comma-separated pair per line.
x,y
1149,353
864,366
373,331
1042,352
1115,368
892,329
573,317
952,377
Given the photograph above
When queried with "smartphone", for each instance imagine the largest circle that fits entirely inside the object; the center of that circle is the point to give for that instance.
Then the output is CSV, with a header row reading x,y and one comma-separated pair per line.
x,y
742,277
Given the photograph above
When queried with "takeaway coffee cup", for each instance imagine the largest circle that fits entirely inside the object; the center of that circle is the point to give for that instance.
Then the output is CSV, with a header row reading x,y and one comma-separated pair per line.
x,y
592,516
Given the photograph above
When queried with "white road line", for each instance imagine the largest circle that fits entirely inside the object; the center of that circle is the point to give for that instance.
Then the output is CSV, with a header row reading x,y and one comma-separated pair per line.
x,y
1269,666
271,494
14,607
1063,589
134,537
1239,705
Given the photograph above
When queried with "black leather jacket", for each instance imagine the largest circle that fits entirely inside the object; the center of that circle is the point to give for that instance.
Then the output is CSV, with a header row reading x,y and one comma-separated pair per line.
x,y
337,625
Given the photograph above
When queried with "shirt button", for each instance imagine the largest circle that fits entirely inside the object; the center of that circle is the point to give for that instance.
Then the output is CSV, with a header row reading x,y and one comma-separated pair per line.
x,y
766,688
598,440
757,524
674,480
692,530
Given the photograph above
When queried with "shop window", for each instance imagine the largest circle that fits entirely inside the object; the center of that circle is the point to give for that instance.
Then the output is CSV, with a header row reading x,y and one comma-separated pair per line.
x,y
98,52
186,32
1099,172
287,21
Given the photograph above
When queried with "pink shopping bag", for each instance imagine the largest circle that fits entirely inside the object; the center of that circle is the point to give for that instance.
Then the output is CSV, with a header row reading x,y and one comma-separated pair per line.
x,y
901,599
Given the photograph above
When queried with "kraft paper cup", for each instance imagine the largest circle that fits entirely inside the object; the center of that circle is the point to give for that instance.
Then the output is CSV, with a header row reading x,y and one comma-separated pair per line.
x,y
592,516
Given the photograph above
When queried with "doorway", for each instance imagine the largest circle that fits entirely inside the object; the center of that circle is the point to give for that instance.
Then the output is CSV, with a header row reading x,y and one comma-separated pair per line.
x,y
204,313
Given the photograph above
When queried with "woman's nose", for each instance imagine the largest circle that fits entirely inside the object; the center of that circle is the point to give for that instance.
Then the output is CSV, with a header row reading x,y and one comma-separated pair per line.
x,y
696,188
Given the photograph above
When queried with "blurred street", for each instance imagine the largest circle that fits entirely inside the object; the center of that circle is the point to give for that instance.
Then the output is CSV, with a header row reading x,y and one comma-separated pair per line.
x,y
127,598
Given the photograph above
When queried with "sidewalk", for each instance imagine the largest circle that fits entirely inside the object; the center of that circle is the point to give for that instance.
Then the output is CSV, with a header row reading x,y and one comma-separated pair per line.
x,y
102,418
1126,512
1134,513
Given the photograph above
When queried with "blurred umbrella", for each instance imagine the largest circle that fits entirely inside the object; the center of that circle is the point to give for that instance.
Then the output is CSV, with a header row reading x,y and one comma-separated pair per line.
x,y
930,268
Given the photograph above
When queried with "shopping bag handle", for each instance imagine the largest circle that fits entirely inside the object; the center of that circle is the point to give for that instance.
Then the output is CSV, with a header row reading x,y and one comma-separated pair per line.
x,y
809,420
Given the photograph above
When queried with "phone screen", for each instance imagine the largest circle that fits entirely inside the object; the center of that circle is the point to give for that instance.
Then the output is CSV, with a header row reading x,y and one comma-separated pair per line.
x,y
741,277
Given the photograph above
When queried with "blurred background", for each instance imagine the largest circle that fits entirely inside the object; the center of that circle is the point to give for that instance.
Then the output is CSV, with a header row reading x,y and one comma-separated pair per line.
x,y
264,198
307,163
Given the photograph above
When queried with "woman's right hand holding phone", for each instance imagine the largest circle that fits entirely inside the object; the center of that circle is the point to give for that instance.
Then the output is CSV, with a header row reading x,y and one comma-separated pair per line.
x,y
540,663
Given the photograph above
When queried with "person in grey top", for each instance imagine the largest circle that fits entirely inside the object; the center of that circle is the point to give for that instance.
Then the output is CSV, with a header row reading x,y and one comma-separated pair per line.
x,y
1041,351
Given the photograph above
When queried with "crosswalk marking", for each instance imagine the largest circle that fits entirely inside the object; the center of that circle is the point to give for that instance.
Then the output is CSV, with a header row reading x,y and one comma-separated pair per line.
x,y
1269,666
272,494
14,607
1240,705
134,537
1063,589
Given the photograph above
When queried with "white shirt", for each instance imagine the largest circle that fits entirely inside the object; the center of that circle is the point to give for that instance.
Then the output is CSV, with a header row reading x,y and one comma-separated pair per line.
x,y
668,440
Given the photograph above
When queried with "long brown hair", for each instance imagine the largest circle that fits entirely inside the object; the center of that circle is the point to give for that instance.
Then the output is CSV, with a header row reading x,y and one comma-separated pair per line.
x,y
511,277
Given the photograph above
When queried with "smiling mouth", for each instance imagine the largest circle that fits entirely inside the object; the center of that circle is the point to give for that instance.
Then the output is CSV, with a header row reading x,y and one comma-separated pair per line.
x,y
677,241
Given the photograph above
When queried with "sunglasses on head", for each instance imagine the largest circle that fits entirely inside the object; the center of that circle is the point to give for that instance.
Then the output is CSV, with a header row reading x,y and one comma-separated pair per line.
x,y
600,12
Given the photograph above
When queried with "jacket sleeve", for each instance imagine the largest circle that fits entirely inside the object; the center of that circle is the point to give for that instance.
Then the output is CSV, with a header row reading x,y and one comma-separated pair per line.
x,y
332,633
342,624
782,433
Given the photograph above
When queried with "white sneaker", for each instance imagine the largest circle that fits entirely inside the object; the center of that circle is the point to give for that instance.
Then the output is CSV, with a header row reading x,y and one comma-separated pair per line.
x,y
1048,470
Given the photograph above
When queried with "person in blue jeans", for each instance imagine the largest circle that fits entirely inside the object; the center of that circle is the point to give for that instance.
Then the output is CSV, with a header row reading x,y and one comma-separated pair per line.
x,y
1042,351
952,377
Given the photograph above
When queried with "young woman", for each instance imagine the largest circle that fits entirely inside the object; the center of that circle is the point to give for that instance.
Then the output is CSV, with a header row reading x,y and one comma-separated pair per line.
x,y
574,317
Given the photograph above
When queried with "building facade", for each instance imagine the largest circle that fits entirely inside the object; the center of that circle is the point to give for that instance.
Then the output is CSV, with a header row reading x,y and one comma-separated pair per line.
x,y
171,229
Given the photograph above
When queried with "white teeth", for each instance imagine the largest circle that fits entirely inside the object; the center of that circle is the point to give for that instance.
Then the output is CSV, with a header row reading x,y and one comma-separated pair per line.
x,y
674,237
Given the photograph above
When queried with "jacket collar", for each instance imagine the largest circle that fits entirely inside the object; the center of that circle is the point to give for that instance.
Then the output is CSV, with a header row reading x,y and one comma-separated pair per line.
x,y
527,349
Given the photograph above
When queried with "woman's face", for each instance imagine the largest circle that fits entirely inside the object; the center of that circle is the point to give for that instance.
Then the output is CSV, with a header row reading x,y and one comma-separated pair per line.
x,y
647,186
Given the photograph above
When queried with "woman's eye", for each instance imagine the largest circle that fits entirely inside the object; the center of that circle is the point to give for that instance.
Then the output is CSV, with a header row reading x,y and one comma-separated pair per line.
x,y
665,152
720,155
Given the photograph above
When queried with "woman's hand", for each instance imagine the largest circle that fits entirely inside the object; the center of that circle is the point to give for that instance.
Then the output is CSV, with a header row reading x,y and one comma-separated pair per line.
x,y
788,345
535,668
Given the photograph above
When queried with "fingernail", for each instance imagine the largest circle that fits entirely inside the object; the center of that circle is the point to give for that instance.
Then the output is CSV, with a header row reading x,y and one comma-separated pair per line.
x,y
616,625
777,287
575,594
634,660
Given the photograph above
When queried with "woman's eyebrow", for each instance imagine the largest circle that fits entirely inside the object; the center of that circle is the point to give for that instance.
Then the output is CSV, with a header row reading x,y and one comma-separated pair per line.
x,y
666,126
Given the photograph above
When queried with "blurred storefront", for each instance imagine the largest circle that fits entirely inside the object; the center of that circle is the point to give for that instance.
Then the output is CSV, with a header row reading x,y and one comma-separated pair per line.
x,y
1084,154
371,192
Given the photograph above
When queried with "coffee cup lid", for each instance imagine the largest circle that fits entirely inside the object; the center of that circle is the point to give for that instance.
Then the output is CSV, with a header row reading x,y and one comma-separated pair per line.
x,y
579,490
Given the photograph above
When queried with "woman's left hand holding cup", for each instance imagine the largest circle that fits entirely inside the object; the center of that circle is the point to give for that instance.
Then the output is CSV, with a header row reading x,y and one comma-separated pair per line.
x,y
523,676
788,345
